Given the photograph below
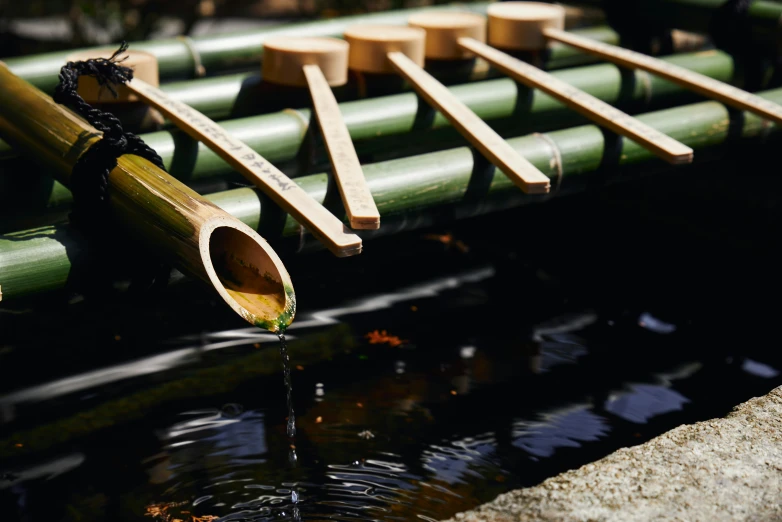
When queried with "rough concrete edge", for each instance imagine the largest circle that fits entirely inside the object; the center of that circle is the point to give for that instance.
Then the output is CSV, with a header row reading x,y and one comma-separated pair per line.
x,y
721,469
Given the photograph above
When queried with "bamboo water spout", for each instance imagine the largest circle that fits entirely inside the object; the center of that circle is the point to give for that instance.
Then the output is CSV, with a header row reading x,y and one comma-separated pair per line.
x,y
196,236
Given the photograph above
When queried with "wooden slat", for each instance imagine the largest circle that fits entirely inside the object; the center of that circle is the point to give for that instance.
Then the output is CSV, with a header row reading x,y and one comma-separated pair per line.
x,y
596,110
697,82
279,187
523,173
356,197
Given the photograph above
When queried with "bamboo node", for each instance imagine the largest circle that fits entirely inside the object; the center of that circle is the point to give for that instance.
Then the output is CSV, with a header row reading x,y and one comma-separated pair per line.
x,y
198,67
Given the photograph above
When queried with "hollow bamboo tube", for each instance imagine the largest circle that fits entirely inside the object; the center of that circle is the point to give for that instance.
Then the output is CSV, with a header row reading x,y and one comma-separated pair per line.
x,y
413,192
319,64
195,235
513,28
699,83
279,136
377,49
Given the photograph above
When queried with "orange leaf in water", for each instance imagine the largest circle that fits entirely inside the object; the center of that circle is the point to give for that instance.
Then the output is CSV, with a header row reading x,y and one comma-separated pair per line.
x,y
382,337
159,511
449,241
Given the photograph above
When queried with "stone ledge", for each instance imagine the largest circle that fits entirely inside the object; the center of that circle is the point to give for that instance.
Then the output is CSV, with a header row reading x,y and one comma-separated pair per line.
x,y
720,469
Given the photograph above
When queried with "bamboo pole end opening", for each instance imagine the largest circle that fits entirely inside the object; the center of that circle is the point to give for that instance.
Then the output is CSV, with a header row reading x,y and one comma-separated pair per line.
x,y
247,273
371,44
519,26
285,57
443,30
144,65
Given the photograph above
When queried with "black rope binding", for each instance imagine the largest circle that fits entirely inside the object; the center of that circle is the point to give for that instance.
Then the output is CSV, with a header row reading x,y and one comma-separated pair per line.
x,y
90,174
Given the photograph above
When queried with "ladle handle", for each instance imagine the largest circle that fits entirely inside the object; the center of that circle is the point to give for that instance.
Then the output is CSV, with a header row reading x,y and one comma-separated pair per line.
x,y
356,197
523,173
279,187
697,82
596,110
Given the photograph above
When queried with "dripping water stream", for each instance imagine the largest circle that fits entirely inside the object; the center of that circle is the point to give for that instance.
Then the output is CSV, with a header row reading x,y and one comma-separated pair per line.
x,y
290,428
286,369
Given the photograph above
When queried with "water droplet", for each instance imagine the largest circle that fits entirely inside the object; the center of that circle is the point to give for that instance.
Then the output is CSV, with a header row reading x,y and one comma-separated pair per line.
x,y
294,496
292,457
291,427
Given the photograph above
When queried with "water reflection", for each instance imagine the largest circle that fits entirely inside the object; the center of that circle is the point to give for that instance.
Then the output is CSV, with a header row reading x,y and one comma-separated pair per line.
x,y
565,429
759,369
645,401
450,418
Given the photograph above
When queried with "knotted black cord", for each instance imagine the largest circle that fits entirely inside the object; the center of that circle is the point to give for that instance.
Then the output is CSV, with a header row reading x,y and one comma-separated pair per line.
x,y
90,175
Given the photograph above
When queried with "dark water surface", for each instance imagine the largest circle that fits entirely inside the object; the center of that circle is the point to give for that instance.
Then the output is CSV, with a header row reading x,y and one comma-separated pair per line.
x,y
430,375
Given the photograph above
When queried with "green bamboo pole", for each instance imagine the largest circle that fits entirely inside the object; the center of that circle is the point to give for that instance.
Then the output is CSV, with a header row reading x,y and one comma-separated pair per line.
x,y
222,52
373,123
410,191
196,236
697,16
221,97
218,96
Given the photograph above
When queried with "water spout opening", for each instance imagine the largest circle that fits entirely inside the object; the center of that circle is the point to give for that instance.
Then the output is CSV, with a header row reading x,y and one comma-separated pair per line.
x,y
249,275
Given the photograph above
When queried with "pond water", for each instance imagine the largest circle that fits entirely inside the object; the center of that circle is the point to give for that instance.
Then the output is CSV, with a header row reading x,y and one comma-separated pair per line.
x,y
436,371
